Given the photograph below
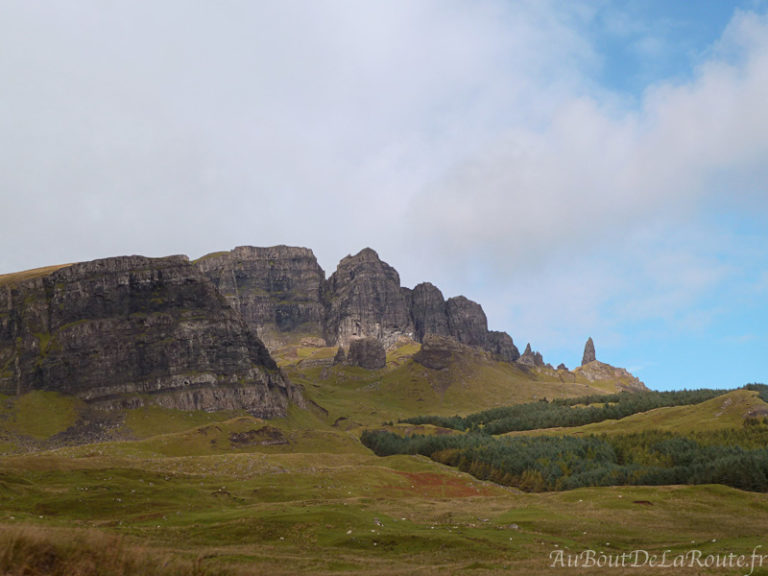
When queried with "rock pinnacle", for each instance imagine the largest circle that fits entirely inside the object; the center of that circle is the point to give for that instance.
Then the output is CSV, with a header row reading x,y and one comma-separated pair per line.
x,y
589,352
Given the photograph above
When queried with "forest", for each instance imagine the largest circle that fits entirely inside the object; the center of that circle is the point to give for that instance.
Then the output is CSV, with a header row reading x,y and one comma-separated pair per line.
x,y
735,457
568,412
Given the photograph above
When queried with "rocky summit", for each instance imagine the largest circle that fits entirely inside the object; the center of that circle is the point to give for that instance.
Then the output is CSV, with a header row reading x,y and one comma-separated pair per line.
x,y
363,298
281,292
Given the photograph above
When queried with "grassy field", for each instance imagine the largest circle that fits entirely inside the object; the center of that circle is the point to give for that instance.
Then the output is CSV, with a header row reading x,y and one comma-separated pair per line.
x,y
309,499
16,277
264,512
226,493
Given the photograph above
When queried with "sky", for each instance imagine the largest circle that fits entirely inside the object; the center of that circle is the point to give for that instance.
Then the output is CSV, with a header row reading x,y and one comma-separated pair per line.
x,y
582,168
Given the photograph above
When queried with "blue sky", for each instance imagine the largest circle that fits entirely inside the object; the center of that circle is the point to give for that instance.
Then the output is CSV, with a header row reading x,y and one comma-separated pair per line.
x,y
581,168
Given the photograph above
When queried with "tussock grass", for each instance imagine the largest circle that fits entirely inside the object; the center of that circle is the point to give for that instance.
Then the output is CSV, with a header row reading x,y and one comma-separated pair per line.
x,y
37,551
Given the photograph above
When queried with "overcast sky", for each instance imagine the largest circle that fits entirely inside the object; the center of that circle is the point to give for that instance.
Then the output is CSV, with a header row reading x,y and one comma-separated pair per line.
x,y
595,168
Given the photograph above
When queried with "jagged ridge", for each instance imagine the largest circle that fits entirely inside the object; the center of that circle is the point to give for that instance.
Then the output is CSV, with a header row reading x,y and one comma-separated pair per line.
x,y
282,290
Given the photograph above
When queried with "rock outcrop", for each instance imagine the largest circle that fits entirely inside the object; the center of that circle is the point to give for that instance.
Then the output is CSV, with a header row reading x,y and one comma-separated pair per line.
x,y
595,371
466,321
530,358
501,345
363,298
367,353
276,290
135,329
589,352
437,352
340,357
428,311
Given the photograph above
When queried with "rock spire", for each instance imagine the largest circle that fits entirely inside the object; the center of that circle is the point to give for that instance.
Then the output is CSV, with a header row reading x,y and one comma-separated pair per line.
x,y
589,352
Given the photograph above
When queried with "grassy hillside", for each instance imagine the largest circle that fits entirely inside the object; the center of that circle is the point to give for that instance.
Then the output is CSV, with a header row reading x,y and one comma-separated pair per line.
x,y
198,493
724,412
405,388
346,512
16,277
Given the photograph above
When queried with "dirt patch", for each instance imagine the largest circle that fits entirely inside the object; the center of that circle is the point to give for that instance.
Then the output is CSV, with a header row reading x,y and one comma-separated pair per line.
x,y
433,485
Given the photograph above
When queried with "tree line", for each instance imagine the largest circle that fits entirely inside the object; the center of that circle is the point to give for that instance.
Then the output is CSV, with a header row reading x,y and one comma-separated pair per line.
x,y
569,412
737,458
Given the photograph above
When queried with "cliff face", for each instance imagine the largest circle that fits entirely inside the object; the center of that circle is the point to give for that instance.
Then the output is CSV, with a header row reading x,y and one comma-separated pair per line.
x,y
189,335
466,321
153,329
363,299
428,311
276,290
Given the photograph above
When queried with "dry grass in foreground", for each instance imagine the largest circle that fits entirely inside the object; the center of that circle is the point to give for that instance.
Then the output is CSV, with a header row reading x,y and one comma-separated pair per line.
x,y
36,551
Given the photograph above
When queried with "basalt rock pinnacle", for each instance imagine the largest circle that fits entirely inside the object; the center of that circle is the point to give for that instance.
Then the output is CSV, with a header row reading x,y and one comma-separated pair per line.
x,y
589,352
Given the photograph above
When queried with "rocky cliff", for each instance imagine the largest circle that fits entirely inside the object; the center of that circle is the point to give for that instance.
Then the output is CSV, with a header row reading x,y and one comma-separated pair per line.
x,y
428,311
132,330
530,358
137,330
363,298
276,290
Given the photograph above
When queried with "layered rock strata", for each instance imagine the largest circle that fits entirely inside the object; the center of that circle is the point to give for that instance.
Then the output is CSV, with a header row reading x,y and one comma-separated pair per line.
x,y
363,298
152,329
276,290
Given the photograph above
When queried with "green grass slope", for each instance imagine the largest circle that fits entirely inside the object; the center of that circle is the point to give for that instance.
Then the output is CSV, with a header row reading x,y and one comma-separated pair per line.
x,y
226,493
724,412
404,388
199,493
345,513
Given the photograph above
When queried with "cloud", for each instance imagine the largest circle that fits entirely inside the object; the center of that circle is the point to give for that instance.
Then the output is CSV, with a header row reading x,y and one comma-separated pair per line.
x,y
471,144
593,171
256,122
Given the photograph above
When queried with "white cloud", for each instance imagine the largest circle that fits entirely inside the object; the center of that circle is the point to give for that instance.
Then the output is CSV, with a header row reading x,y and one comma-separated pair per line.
x,y
469,143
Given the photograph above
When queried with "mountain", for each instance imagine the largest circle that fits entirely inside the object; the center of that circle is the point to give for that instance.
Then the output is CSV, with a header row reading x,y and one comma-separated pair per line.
x,y
204,335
